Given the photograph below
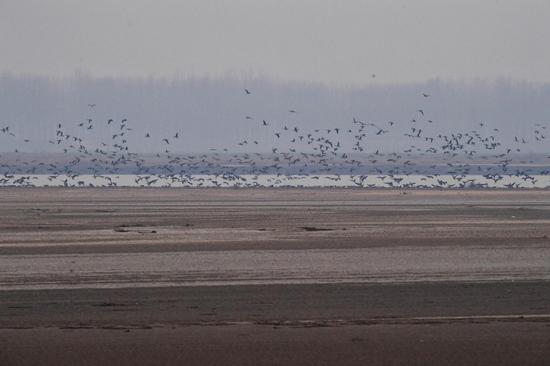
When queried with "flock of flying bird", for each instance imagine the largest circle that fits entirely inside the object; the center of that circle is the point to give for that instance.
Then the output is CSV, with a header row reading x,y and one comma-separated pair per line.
x,y
329,154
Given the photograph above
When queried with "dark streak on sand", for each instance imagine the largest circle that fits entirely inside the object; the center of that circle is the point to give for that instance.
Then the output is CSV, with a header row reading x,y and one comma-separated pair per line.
x,y
481,322
312,228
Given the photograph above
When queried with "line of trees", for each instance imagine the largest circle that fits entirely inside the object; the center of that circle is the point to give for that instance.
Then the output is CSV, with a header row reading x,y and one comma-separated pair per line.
x,y
212,113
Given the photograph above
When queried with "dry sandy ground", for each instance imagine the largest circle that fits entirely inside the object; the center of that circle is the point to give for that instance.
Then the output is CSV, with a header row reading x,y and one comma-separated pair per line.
x,y
274,276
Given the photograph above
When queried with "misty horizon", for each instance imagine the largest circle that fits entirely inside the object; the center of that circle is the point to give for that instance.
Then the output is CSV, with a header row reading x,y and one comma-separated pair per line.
x,y
210,113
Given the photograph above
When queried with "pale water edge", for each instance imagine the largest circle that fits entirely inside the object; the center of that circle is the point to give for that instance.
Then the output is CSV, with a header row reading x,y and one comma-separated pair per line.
x,y
230,180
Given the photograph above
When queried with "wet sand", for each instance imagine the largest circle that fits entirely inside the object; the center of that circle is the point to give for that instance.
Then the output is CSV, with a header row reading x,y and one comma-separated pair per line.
x,y
274,276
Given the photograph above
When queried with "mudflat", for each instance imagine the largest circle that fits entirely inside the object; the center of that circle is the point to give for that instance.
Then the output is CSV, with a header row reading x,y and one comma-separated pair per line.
x,y
274,276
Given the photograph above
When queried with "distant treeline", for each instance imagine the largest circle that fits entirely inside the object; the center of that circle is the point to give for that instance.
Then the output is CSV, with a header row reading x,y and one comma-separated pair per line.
x,y
218,113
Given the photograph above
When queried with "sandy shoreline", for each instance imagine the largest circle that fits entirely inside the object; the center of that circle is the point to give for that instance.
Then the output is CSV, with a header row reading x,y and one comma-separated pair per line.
x,y
467,276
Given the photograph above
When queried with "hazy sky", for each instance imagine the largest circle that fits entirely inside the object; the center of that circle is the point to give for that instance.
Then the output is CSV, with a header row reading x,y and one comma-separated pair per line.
x,y
315,40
